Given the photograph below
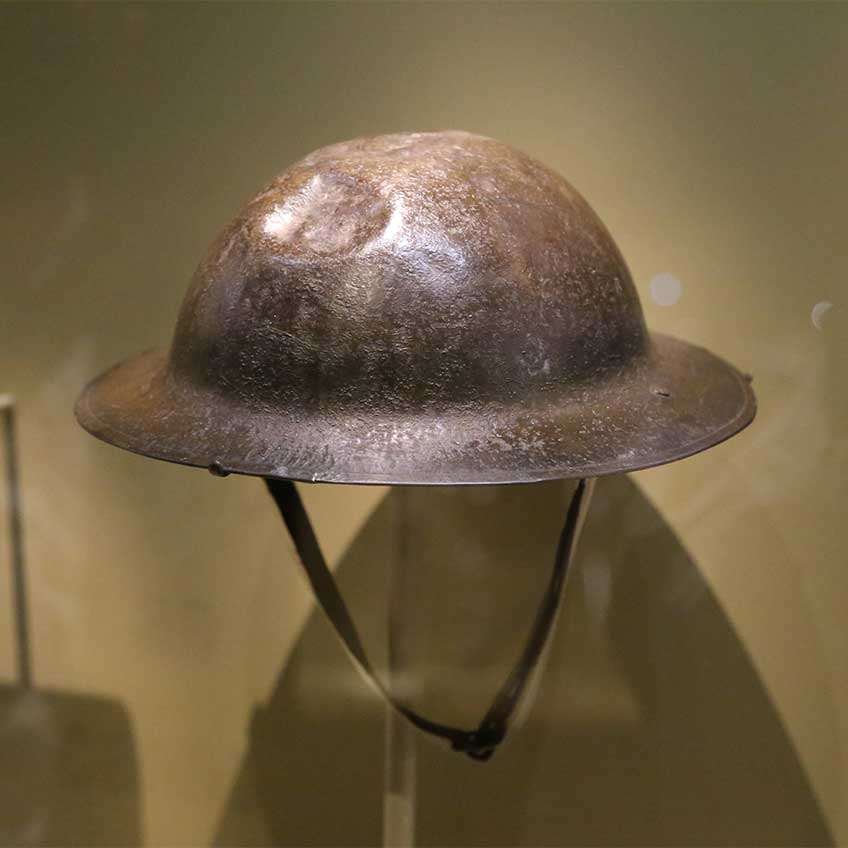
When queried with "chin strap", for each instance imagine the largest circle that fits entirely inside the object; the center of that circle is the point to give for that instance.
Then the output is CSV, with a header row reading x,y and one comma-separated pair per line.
x,y
478,744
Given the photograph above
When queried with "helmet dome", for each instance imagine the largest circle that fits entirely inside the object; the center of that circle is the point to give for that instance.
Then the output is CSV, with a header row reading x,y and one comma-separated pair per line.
x,y
417,308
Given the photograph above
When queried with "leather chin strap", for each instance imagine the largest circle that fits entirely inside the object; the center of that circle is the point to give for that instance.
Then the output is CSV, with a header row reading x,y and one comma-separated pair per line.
x,y
478,744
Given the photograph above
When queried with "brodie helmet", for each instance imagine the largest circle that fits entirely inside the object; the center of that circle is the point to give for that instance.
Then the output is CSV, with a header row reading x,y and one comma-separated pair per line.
x,y
427,309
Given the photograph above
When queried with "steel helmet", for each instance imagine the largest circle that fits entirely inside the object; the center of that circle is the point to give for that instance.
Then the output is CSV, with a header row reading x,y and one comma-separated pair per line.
x,y
423,308
433,308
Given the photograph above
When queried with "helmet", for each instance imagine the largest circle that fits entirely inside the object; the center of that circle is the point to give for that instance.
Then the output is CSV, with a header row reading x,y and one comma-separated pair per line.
x,y
423,308
426,308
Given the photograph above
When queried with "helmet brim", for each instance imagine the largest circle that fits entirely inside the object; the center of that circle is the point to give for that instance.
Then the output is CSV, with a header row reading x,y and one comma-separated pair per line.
x,y
677,400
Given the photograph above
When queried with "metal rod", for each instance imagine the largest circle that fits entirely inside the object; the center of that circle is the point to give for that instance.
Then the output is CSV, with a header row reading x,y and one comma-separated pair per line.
x,y
16,538
399,781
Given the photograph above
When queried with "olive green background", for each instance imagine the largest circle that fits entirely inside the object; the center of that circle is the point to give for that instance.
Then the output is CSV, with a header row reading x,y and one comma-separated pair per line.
x,y
697,690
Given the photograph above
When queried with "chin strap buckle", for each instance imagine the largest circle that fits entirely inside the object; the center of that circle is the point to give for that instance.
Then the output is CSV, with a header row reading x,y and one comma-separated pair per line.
x,y
479,744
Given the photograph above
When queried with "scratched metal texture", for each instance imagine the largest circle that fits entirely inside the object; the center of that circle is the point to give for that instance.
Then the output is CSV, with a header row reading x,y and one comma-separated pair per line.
x,y
424,308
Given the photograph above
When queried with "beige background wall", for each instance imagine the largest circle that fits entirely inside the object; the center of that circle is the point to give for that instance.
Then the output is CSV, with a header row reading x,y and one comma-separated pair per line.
x,y
711,139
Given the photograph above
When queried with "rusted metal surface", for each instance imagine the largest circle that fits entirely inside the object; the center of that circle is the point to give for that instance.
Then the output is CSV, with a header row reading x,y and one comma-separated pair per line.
x,y
433,308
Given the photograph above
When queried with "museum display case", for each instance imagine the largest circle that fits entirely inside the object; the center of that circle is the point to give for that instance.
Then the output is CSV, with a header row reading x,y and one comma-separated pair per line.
x,y
441,317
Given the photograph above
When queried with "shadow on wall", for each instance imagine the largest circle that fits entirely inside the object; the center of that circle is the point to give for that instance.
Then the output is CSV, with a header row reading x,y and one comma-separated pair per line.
x,y
68,770
650,726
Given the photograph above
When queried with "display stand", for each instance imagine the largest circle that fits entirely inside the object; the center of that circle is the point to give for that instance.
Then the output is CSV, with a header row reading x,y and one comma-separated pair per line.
x,y
399,782
400,737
